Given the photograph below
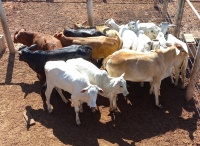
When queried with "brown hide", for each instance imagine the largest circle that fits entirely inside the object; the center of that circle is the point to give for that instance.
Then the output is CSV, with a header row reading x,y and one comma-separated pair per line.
x,y
43,41
102,46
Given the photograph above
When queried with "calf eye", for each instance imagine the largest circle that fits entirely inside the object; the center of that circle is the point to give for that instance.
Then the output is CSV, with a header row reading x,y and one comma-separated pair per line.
x,y
121,86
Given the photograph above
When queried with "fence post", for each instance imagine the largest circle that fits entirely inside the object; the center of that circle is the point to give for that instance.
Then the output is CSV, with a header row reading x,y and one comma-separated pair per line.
x,y
165,6
179,16
194,75
90,12
193,9
2,44
6,30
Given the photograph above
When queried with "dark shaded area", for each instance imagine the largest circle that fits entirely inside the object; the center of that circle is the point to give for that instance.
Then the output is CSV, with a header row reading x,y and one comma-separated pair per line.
x,y
136,112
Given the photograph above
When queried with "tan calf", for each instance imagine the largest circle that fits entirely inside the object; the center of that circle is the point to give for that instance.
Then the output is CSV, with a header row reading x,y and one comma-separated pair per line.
x,y
102,46
144,67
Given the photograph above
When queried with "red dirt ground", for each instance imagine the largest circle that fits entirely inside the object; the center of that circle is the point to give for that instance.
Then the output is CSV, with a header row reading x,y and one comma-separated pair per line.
x,y
138,122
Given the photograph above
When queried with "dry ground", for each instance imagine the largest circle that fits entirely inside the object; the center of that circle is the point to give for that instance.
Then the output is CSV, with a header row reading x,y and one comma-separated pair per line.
x,y
138,122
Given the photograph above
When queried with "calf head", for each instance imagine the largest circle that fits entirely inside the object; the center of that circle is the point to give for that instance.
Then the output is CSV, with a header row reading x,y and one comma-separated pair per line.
x,y
120,85
23,37
24,50
109,22
180,50
133,25
92,92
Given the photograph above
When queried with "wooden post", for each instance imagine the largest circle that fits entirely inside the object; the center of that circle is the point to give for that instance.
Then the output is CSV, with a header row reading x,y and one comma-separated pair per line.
x,y
179,16
90,12
155,4
2,44
6,30
164,12
193,9
194,75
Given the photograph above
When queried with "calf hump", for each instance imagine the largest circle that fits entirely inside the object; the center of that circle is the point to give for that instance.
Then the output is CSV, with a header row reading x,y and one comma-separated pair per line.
x,y
103,67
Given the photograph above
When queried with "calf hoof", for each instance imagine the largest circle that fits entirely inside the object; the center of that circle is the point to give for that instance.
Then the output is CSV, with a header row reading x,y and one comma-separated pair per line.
x,y
50,109
81,110
110,109
66,101
78,123
115,110
159,106
93,109
183,87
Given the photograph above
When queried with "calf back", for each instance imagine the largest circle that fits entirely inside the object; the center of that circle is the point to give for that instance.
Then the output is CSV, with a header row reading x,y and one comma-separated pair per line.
x,y
43,41
82,32
140,66
102,46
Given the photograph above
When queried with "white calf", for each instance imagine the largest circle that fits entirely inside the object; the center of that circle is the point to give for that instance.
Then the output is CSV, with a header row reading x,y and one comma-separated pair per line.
x,y
110,85
128,37
144,42
150,29
64,76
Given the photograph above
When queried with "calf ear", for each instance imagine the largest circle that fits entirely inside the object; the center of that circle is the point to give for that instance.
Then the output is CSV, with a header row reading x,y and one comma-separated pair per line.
x,y
179,46
20,52
138,21
122,75
84,89
58,35
100,90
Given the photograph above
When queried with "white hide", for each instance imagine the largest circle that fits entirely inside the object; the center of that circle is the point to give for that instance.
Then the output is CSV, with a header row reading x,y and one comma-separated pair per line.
x,y
110,85
172,39
164,27
128,37
144,42
64,76
150,29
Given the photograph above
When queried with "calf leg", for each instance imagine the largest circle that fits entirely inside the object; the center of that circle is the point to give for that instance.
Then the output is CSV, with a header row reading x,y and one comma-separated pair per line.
x,y
76,108
177,71
114,102
111,103
183,71
81,106
141,84
172,78
156,86
61,95
48,95
151,88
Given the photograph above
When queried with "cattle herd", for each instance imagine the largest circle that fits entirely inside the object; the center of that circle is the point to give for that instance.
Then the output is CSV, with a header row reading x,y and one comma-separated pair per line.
x,y
87,61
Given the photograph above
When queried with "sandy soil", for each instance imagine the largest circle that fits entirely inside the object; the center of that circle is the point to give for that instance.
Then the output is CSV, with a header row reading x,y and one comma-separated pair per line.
x,y
138,122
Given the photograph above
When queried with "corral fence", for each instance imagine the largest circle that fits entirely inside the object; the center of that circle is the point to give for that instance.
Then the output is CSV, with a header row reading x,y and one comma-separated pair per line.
x,y
182,13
